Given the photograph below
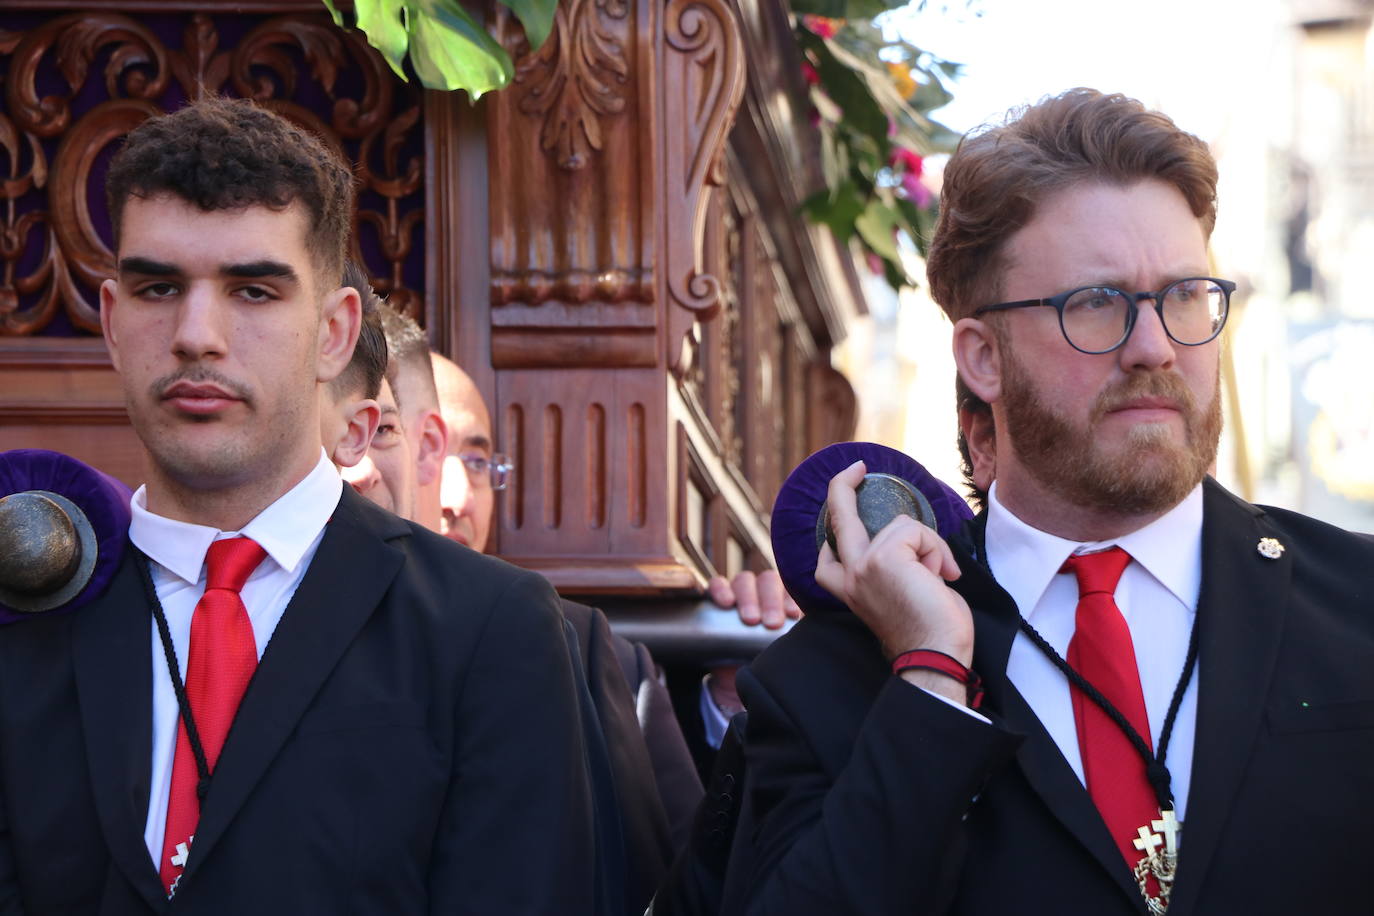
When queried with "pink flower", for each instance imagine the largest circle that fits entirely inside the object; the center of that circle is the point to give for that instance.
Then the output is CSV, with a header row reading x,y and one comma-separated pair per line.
x,y
820,25
809,73
915,192
910,161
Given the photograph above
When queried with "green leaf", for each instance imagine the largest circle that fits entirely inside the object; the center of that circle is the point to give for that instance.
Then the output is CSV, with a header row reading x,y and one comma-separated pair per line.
x,y
850,92
875,227
838,209
452,51
830,9
381,21
536,16
334,13
834,159
895,274
867,9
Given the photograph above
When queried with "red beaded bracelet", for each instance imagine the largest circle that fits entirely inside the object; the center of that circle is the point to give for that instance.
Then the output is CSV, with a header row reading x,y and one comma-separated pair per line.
x,y
935,660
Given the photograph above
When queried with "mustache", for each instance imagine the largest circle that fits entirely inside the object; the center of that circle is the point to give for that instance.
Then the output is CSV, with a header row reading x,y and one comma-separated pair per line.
x,y
1143,384
199,374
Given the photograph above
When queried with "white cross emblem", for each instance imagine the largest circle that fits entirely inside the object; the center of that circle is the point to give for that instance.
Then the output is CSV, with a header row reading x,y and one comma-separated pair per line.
x,y
1148,842
1169,826
183,850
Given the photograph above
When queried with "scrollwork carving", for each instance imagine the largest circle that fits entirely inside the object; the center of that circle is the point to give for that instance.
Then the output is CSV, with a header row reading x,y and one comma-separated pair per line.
x,y
137,67
53,233
577,77
703,78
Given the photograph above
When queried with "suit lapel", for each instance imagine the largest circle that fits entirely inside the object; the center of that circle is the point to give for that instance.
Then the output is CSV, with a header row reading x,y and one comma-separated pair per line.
x,y
112,655
996,621
1241,613
351,571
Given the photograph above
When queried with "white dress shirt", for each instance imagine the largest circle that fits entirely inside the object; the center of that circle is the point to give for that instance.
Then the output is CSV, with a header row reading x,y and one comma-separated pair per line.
x,y
289,531
1157,595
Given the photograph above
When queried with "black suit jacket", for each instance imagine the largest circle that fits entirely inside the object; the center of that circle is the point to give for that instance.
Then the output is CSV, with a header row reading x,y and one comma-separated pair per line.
x,y
410,743
628,796
868,796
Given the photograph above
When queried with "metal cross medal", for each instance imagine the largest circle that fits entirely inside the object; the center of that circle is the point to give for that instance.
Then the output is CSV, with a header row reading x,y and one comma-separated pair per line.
x,y
1159,843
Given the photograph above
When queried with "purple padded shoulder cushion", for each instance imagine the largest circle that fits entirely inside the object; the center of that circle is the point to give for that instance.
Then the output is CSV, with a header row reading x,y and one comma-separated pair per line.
x,y
104,500
803,493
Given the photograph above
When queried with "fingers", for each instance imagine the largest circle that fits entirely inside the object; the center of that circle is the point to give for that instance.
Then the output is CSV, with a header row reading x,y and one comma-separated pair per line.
x,y
721,593
904,533
745,587
758,597
771,595
851,539
830,573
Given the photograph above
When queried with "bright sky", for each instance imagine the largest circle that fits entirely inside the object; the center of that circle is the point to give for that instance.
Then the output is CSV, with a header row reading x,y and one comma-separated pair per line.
x,y
1194,59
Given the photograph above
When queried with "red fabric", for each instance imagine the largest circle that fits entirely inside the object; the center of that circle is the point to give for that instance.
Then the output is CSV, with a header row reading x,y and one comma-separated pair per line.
x,y
223,656
1101,650
935,660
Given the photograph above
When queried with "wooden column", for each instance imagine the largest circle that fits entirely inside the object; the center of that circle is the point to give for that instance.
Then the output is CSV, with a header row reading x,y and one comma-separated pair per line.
x,y
603,158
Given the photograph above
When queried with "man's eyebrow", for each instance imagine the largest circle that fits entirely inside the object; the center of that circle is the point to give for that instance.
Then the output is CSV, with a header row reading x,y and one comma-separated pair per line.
x,y
260,269
147,266
481,442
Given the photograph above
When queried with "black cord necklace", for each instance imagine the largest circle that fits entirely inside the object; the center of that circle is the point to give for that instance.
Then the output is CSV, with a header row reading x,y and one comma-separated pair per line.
x,y
1155,769
178,686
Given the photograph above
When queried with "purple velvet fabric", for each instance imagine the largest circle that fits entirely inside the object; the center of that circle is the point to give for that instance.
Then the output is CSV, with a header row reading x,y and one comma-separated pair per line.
x,y
802,494
104,500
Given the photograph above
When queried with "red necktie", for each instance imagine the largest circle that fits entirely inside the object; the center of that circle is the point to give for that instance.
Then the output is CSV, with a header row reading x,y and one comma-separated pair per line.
x,y
222,658
1101,650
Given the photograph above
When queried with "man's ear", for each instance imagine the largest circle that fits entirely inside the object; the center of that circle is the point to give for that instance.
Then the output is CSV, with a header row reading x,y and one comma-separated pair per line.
x,y
108,288
429,460
341,317
980,436
362,425
977,356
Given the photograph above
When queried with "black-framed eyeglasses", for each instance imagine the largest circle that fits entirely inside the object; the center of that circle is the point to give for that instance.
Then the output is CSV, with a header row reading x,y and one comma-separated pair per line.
x,y
493,472
1098,319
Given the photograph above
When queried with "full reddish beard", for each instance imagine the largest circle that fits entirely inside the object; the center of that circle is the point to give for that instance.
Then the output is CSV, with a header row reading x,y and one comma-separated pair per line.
x,y
1149,473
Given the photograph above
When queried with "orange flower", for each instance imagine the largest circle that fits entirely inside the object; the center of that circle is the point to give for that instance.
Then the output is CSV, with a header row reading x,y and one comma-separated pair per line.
x,y
901,76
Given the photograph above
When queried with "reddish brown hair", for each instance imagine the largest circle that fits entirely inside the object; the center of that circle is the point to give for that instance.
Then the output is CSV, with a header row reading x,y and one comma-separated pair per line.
x,y
998,176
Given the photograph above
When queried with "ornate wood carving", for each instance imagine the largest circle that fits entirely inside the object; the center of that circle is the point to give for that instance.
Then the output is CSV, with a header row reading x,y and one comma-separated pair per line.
x,y
76,84
575,79
571,194
602,160
601,156
703,81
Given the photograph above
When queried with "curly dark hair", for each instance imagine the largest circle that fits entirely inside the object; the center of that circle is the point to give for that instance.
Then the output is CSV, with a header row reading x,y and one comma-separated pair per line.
x,y
224,154
366,368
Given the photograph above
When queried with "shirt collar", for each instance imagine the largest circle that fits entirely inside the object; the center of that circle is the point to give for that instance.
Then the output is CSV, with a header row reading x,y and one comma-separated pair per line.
x,y
285,529
1024,559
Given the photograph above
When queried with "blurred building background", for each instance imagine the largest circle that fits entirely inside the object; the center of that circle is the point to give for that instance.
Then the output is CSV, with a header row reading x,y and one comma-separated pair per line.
x,y
1283,91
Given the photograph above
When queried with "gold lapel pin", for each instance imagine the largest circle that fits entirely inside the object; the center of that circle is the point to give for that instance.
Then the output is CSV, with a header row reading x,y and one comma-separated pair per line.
x,y
1269,548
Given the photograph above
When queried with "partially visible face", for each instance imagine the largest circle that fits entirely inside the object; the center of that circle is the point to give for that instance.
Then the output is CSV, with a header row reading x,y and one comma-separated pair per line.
x,y
423,428
467,507
1131,431
214,324
386,474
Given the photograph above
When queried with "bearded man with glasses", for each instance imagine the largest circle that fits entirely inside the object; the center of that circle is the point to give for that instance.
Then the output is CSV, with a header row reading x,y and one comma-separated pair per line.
x,y
1120,689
